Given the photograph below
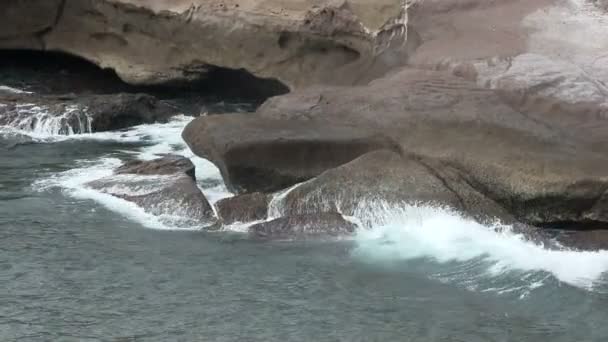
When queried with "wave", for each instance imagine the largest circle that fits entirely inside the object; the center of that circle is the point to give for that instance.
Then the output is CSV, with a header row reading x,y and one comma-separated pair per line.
x,y
473,253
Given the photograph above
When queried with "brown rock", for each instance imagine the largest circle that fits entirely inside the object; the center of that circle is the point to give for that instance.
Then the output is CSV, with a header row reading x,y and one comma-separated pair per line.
x,y
166,41
163,186
243,208
303,226
492,157
257,154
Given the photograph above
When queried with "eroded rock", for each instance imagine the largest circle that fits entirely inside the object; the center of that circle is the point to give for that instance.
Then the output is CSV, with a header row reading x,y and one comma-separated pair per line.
x,y
258,154
304,226
163,187
243,208
166,41
74,114
493,158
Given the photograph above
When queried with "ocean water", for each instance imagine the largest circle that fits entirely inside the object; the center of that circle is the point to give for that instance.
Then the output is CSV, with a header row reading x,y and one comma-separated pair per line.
x,y
78,265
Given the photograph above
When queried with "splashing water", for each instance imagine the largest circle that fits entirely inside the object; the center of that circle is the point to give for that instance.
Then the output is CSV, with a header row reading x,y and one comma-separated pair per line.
x,y
40,123
472,250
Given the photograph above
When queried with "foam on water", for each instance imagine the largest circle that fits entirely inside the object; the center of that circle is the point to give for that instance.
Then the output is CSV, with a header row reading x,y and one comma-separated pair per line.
x,y
159,139
472,250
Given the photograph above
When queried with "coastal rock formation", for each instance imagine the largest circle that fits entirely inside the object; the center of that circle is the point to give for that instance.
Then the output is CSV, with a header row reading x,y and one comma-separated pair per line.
x,y
458,145
167,41
557,93
303,226
243,208
163,187
258,154
74,114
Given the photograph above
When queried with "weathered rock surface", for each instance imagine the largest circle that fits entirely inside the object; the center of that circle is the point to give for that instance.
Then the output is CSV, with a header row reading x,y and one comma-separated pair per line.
x,y
163,187
303,226
160,41
557,93
72,114
258,154
243,208
460,146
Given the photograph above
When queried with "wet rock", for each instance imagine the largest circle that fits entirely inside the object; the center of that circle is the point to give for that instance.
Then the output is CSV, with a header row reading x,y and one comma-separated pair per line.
x,y
243,208
386,178
163,187
164,41
257,154
468,148
584,240
304,226
72,114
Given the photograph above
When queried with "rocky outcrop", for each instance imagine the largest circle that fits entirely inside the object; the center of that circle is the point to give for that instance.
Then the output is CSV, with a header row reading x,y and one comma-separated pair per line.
x,y
557,93
166,41
303,226
259,154
454,144
243,208
74,114
163,187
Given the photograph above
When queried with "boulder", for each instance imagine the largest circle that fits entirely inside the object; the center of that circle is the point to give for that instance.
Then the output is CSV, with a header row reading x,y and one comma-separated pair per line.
x,y
303,226
163,187
388,179
168,41
494,158
257,154
72,114
243,208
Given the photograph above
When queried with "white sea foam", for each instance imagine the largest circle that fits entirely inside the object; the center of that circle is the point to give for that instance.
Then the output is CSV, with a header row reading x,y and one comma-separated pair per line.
x,y
159,139
420,232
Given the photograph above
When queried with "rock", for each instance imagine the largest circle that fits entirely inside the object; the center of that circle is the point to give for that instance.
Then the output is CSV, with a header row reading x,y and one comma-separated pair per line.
x,y
387,179
72,114
243,208
556,93
164,41
163,187
303,226
257,154
584,240
480,153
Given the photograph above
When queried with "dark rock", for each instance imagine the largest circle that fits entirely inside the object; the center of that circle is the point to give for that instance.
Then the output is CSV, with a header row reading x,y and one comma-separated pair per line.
x,y
585,239
167,165
162,187
72,114
257,154
243,208
304,226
